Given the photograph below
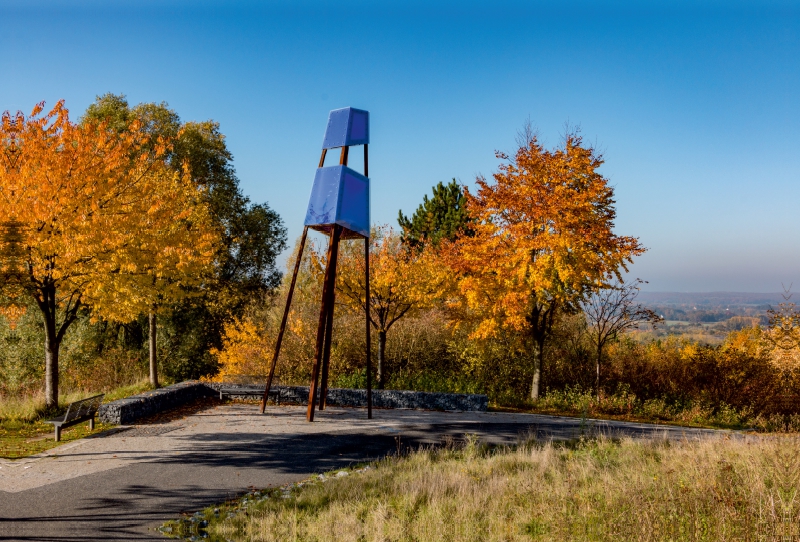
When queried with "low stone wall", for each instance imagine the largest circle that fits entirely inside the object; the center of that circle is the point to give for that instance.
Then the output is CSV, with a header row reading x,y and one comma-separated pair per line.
x,y
419,400
130,409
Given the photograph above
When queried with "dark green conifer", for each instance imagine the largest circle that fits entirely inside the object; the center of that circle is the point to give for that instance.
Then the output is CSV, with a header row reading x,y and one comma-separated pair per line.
x,y
443,216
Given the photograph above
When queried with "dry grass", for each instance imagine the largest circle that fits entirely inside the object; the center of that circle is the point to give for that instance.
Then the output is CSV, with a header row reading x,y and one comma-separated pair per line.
x,y
743,489
30,407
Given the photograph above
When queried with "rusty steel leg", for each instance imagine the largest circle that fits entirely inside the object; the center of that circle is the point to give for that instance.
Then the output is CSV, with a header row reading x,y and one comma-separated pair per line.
x,y
327,298
326,352
283,321
366,300
326,355
367,306
323,313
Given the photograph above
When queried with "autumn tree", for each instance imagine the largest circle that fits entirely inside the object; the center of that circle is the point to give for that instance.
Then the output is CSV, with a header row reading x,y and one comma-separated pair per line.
x,y
543,239
252,234
443,216
158,123
100,221
400,284
611,311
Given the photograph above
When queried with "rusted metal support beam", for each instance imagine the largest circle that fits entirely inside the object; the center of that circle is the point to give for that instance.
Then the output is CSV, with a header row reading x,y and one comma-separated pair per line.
x,y
326,352
285,315
367,307
327,299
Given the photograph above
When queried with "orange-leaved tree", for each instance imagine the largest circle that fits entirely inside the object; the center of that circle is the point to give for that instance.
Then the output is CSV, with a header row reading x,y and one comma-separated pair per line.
x,y
95,219
543,238
401,283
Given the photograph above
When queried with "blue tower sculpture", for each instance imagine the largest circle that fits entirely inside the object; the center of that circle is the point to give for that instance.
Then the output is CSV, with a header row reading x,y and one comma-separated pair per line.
x,y
340,194
338,207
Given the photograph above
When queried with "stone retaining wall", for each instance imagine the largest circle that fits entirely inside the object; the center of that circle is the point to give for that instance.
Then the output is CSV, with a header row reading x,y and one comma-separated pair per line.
x,y
128,410
419,400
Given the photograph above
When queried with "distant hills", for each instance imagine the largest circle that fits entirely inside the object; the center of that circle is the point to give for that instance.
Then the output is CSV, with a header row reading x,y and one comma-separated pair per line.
x,y
713,299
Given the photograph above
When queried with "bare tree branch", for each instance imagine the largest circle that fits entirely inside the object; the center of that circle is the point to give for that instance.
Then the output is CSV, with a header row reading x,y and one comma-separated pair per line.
x,y
613,311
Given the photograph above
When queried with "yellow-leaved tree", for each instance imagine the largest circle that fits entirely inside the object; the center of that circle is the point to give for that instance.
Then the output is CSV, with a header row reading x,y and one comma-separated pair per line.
x,y
401,283
543,239
94,218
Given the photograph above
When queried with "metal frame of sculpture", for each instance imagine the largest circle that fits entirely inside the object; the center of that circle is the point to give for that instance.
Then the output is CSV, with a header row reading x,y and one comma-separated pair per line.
x,y
338,207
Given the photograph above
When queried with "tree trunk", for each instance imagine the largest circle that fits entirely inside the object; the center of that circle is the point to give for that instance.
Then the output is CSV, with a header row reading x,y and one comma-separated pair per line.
x,y
153,360
50,365
537,371
381,358
46,299
597,375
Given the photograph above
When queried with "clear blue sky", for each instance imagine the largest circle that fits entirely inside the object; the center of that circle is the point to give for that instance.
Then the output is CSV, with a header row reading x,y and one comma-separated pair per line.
x,y
696,109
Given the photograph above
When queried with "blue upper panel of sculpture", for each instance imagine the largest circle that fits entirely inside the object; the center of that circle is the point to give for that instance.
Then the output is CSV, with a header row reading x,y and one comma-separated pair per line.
x,y
346,127
340,195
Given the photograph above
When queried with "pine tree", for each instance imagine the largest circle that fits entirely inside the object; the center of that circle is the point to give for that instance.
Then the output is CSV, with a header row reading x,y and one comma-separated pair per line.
x,y
441,217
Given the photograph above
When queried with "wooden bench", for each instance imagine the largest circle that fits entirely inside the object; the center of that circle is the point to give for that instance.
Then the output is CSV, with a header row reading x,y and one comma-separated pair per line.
x,y
250,386
77,412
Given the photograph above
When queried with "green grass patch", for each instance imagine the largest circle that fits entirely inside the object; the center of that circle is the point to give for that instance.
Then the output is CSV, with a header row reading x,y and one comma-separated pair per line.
x,y
20,439
23,431
126,391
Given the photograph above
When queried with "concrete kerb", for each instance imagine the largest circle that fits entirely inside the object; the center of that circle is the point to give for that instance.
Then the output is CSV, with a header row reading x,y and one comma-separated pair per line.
x,y
130,409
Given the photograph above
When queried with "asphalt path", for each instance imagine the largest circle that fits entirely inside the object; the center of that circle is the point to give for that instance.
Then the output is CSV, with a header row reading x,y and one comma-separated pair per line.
x,y
123,484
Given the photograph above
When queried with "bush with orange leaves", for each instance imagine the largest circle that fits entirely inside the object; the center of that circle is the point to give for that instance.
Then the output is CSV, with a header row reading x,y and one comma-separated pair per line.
x,y
682,374
738,373
244,351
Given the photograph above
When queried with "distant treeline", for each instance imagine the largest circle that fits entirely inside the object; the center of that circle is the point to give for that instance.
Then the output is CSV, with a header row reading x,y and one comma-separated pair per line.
x,y
701,315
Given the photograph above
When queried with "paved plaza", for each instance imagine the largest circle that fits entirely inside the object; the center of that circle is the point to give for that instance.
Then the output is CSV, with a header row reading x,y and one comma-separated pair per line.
x,y
122,484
